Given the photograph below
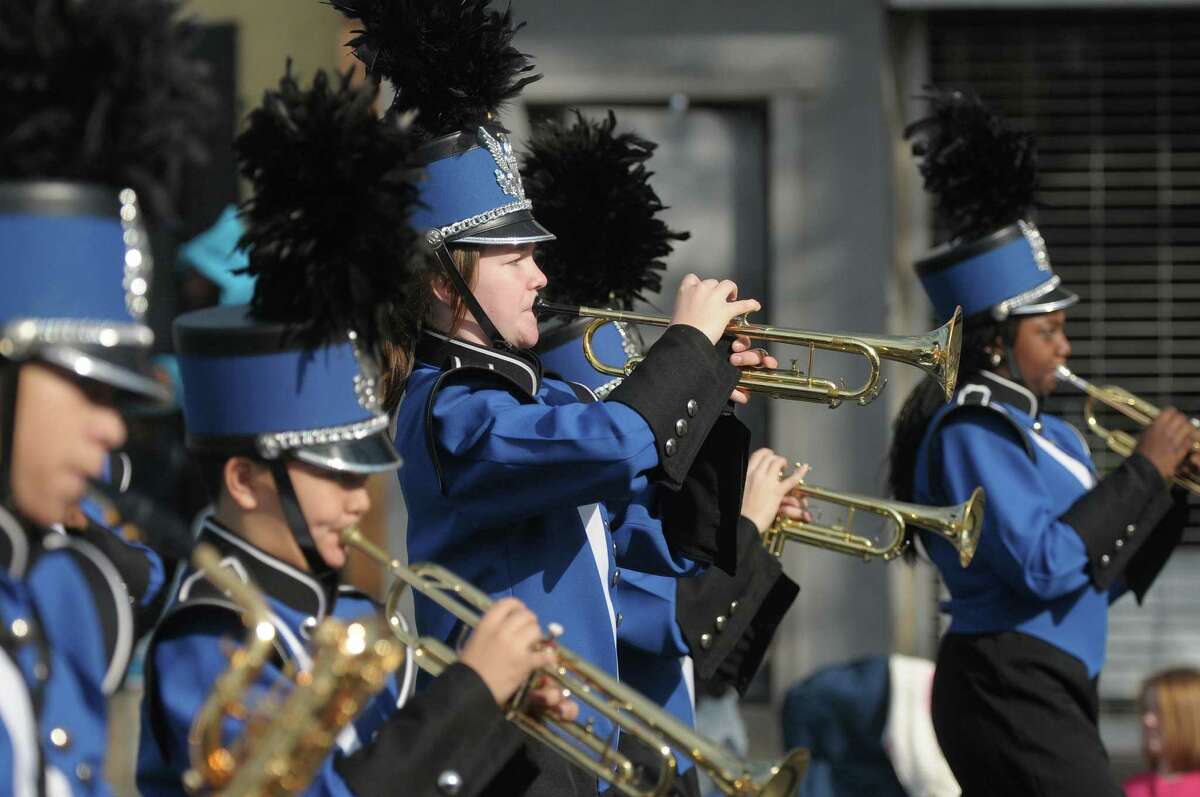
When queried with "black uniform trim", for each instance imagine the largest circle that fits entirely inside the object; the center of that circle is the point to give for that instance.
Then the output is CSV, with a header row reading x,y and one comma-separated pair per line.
x,y
738,614
1145,565
1117,516
455,722
683,384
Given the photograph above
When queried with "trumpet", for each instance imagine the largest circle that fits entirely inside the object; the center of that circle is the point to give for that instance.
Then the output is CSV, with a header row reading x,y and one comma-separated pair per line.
x,y
935,353
959,525
285,744
1132,407
627,709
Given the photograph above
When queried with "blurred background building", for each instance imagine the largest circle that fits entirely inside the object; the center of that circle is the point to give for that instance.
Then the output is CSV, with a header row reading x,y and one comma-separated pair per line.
x,y
780,124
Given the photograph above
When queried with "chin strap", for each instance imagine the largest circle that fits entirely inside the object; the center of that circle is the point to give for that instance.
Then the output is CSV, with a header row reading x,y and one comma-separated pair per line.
x,y
9,374
299,526
442,252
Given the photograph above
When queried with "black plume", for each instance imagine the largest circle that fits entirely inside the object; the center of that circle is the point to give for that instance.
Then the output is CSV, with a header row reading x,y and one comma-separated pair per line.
x,y
591,188
101,91
981,172
327,230
451,61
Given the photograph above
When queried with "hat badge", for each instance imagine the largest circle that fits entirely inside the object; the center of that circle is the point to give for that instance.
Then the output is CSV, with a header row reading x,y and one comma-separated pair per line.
x,y
508,174
1037,243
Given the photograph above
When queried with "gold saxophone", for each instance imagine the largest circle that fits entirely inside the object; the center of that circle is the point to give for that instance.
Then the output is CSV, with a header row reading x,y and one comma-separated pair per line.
x,y
285,739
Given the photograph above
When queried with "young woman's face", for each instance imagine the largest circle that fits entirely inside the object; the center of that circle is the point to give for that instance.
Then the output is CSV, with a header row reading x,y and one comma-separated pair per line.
x,y
1041,346
507,282
65,430
331,502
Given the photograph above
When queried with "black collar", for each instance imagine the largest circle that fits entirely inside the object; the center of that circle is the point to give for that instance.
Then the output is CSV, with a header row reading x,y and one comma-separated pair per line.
x,y
279,580
523,368
987,388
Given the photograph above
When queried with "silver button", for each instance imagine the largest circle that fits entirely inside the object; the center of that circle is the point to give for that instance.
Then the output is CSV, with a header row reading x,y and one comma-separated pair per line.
x,y
1119,544
614,549
60,738
1037,426
705,641
721,621
19,628
1130,529
616,577
671,446
449,783
1105,560
83,772
681,427
693,407
620,619
733,606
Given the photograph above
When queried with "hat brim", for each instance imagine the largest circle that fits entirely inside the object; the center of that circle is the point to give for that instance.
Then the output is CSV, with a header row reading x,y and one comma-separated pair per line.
x,y
372,454
513,229
1057,299
127,369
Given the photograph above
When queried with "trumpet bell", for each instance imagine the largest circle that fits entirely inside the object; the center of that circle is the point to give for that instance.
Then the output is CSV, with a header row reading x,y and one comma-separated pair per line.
x,y
783,779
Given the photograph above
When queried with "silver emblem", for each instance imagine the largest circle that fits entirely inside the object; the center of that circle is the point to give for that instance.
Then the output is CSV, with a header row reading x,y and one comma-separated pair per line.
x,y
366,381
138,264
508,174
1037,243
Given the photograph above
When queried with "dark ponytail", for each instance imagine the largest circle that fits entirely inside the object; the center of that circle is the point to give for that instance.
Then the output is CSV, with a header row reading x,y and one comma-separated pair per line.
x,y
979,332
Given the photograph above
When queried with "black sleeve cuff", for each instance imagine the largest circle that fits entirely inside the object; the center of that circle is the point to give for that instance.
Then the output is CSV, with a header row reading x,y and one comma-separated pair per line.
x,y
700,520
1145,565
727,621
1115,517
452,728
130,562
680,389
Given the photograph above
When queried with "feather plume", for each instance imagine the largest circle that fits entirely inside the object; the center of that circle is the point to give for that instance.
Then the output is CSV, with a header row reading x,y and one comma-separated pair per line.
x,y
591,187
451,61
326,230
103,91
981,172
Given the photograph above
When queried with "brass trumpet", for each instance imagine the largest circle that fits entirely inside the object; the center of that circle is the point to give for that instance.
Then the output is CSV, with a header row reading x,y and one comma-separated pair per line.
x,y
959,525
1136,409
627,709
936,353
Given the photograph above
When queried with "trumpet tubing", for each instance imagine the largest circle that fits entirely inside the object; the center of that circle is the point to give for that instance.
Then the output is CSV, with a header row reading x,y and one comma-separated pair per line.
x,y
1133,407
936,353
959,525
627,709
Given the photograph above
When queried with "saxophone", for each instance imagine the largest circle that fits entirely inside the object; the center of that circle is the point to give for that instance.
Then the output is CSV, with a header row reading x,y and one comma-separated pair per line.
x,y
286,738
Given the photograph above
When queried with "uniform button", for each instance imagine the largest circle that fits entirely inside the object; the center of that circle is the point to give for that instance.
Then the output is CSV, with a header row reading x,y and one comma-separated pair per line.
x,y
41,671
693,407
1105,560
1037,426
616,577
449,783
83,772
614,549
20,628
60,738
671,447
705,641
1119,544
733,606
721,623
1130,529
620,618
681,427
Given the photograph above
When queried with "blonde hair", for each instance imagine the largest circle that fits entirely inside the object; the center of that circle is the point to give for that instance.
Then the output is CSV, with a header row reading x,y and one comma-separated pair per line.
x,y
1176,701
405,322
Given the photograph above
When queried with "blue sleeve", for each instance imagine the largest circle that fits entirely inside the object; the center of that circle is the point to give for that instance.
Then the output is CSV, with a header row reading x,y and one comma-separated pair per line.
x,y
638,535
187,666
506,460
1023,540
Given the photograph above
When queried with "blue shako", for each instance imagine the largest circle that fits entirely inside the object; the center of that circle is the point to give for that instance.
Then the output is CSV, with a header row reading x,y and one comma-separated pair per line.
x,y
454,66
983,175
89,158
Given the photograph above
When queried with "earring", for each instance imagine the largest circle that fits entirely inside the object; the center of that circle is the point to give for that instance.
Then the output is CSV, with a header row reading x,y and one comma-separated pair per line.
x,y
996,359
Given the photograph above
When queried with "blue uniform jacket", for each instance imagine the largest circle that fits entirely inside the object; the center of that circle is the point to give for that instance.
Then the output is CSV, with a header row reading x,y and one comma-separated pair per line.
x,y
522,488
1054,546
68,634
457,727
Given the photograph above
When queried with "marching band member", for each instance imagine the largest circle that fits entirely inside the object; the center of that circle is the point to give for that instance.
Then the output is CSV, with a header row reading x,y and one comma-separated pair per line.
x,y
512,478
714,624
1014,697
281,404
74,351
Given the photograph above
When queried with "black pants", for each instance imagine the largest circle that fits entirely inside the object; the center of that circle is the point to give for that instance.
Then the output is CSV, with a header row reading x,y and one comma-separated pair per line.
x,y
1017,716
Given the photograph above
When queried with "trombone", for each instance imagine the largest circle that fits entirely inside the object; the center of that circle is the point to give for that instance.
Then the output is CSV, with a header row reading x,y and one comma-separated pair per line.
x,y
605,695
1136,409
936,353
959,525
